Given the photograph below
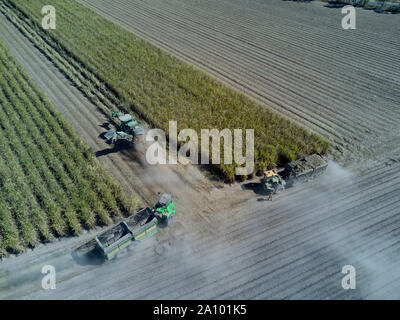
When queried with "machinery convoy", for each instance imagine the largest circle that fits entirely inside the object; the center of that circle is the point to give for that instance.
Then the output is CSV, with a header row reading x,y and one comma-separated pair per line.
x,y
139,226
298,171
127,129
146,221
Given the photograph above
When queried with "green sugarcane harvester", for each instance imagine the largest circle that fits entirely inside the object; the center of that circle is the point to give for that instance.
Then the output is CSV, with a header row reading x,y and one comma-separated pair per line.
x,y
127,129
139,226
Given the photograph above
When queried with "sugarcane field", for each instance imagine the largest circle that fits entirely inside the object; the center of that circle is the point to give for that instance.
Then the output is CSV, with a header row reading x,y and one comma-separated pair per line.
x,y
230,150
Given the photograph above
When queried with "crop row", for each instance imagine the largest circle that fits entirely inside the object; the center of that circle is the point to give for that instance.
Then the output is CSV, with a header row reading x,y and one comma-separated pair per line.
x,y
51,185
162,88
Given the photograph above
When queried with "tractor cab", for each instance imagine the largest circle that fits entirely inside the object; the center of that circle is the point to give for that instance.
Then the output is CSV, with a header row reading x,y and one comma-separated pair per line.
x,y
164,209
128,124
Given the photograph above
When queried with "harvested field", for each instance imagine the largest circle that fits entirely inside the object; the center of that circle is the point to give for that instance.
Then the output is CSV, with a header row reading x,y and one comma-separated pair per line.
x,y
239,246
293,57
161,88
51,185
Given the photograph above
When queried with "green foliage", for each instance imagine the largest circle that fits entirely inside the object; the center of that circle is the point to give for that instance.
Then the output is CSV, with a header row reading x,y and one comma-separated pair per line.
x,y
285,155
50,184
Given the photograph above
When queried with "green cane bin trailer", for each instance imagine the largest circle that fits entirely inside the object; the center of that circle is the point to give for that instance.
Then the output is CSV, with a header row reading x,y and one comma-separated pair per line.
x,y
139,226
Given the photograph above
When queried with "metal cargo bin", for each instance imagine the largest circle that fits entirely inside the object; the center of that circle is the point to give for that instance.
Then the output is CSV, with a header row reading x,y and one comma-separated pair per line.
x,y
304,169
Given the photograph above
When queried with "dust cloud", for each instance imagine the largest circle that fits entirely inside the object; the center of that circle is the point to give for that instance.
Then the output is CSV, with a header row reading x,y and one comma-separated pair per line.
x,y
356,239
348,233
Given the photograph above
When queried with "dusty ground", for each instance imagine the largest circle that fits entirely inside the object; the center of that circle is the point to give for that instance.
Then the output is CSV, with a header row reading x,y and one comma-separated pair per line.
x,y
230,243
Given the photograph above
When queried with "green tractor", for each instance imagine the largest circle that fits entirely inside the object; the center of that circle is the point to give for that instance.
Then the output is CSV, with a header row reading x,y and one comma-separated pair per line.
x,y
139,226
128,128
164,209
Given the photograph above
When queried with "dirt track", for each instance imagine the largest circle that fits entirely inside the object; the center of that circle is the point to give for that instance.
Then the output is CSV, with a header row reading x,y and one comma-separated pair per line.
x,y
289,248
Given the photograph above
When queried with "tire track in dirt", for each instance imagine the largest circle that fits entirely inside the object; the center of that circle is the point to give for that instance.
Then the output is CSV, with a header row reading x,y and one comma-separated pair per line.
x,y
300,64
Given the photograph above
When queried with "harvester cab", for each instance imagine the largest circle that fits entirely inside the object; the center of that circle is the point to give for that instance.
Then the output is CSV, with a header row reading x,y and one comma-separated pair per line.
x,y
128,124
272,182
128,128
